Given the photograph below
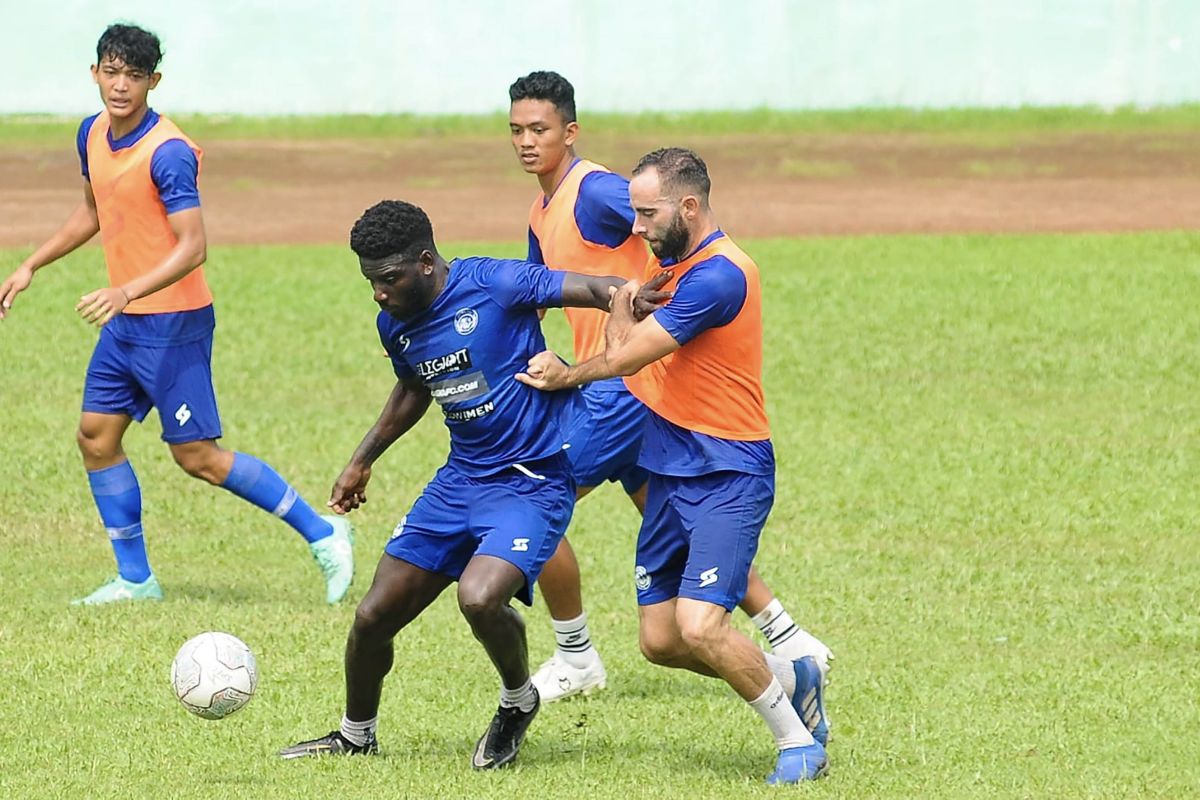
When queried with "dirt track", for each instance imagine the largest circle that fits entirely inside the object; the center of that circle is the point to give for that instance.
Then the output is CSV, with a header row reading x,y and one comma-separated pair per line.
x,y
275,192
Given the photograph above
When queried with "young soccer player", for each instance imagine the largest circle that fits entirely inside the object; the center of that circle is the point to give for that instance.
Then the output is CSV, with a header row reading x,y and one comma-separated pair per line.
x,y
457,334
156,322
697,365
582,220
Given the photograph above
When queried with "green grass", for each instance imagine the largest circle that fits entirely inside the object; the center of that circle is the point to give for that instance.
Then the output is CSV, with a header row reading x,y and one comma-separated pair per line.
x,y
32,130
987,504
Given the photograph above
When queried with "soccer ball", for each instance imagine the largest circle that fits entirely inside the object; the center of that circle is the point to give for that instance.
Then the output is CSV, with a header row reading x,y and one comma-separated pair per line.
x,y
214,674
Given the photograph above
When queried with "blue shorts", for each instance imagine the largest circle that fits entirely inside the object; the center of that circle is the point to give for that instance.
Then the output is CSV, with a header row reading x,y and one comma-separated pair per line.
x,y
509,515
606,437
699,536
130,379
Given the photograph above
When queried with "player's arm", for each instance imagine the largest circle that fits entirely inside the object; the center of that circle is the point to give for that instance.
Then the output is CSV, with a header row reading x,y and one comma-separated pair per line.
x,y
591,291
630,345
81,226
404,408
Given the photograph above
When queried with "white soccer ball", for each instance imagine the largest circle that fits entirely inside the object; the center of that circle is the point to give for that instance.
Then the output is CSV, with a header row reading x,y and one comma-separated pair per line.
x,y
214,674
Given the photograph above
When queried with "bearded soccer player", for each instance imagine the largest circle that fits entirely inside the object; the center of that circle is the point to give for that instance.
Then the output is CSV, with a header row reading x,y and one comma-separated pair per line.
x,y
457,334
581,220
156,316
697,365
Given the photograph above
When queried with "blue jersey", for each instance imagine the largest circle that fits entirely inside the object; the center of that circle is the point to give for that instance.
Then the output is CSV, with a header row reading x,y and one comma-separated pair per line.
x,y
467,348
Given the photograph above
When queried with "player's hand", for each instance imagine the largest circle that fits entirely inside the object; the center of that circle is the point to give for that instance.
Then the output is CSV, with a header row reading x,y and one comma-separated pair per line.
x,y
13,285
98,307
350,489
649,297
544,371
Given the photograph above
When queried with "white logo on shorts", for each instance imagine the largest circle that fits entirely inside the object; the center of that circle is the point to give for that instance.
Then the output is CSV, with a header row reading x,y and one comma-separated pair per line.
x,y
641,578
520,545
399,529
708,577
465,320
183,414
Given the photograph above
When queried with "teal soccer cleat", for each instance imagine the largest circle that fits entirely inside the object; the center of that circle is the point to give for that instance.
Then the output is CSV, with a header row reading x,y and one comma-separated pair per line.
x,y
335,555
118,589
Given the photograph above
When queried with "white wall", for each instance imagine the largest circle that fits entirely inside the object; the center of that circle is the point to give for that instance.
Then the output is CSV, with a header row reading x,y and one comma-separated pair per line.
x,y
425,56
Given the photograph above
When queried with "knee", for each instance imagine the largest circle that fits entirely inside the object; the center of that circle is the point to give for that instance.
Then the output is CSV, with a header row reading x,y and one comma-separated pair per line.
x,y
699,633
92,445
478,603
660,647
200,461
370,622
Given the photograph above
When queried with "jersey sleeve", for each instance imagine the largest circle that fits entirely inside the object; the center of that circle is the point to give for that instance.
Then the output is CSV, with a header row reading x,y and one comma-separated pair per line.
x,y
602,209
81,137
535,249
393,343
519,284
709,295
174,168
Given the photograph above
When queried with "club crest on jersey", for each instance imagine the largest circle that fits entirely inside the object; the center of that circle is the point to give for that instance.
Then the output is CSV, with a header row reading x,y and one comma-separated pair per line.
x,y
465,321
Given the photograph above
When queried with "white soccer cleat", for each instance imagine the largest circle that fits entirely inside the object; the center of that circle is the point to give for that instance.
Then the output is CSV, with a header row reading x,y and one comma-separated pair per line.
x,y
801,644
556,679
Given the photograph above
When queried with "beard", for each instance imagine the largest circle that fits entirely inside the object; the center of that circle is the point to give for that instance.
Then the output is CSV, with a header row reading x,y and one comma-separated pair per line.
x,y
673,240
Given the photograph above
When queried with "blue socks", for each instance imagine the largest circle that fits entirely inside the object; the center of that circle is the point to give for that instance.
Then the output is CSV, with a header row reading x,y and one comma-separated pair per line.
x,y
255,481
119,500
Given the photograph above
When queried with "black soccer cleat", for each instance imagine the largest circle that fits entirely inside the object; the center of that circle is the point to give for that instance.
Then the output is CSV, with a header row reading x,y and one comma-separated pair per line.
x,y
332,745
499,744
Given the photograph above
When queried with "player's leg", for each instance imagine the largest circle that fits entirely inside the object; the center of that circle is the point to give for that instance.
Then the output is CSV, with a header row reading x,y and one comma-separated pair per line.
x,y
112,399
783,635
520,519
180,384
399,593
575,667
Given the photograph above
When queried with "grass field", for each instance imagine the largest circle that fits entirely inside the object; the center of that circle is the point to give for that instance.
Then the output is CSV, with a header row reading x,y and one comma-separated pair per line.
x,y
988,505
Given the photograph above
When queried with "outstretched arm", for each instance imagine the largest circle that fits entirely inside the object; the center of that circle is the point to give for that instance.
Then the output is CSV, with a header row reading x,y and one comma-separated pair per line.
x,y
79,227
589,291
404,408
189,252
630,345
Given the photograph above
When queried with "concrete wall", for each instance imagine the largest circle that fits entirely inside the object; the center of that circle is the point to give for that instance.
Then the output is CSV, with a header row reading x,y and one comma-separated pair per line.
x,y
424,56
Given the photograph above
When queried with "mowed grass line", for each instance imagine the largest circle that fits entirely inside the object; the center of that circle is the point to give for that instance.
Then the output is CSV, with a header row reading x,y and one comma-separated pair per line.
x,y
987,504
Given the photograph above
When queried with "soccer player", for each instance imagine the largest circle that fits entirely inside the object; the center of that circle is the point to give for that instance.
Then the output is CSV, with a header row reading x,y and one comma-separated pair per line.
x,y
582,220
156,318
697,365
458,333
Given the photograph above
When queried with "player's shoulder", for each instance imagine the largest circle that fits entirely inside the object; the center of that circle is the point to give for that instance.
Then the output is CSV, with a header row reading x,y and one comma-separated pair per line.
x,y
601,183
85,126
717,273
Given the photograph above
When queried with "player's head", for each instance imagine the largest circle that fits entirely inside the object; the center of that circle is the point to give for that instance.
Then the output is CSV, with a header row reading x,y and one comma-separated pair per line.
x,y
126,68
394,244
669,195
541,119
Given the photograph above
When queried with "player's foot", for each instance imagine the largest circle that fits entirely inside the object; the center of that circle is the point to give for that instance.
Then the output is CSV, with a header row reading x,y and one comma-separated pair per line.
x,y
335,555
809,699
117,589
556,679
332,745
500,742
798,764
801,644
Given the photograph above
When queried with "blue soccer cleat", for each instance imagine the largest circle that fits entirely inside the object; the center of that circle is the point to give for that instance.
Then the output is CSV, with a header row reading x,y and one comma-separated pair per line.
x,y
798,764
809,700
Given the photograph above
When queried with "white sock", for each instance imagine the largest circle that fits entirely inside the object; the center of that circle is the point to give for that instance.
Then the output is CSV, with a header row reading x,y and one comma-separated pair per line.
x,y
776,710
574,641
786,638
783,671
523,698
359,733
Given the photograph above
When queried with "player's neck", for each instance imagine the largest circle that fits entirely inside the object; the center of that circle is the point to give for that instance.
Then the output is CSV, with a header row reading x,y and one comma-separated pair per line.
x,y
697,237
127,125
550,181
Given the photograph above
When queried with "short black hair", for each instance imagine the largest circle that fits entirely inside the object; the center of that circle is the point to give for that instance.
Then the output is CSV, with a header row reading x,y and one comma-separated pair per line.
x,y
133,46
545,85
392,228
678,169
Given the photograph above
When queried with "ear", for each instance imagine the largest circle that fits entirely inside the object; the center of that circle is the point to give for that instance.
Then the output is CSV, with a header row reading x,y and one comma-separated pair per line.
x,y
572,134
154,79
690,206
427,259
96,74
